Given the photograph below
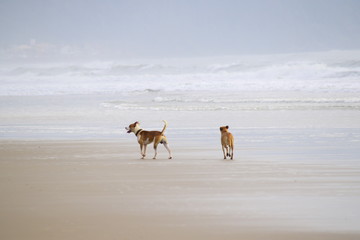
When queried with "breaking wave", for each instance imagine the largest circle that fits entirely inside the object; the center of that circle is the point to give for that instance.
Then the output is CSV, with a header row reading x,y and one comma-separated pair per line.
x,y
234,103
334,72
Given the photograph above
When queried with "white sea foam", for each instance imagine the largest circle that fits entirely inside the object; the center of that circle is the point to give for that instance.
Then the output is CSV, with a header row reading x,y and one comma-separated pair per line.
x,y
334,72
326,80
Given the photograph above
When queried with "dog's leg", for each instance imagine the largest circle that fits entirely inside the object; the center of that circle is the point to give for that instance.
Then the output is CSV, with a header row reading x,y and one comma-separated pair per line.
x,y
141,151
168,149
144,154
155,148
232,152
223,148
227,151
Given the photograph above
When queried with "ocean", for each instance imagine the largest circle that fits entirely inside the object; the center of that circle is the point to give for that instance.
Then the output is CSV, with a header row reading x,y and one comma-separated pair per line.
x,y
96,98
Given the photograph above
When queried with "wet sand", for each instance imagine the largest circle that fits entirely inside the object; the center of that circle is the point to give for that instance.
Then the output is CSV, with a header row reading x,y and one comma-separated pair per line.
x,y
68,189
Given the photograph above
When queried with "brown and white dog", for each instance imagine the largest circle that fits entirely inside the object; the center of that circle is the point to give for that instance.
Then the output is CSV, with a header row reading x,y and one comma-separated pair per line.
x,y
146,137
227,142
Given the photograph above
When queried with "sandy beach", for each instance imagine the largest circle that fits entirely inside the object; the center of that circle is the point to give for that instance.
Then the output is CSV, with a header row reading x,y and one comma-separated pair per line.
x,y
69,189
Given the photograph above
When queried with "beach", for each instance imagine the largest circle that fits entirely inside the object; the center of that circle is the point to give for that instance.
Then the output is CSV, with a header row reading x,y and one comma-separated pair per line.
x,y
66,189
69,170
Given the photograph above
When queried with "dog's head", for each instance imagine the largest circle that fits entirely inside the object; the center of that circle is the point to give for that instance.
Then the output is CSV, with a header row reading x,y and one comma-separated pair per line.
x,y
131,127
224,129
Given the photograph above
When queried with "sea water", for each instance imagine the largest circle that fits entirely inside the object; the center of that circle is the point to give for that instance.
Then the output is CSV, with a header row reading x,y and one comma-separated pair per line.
x,y
98,98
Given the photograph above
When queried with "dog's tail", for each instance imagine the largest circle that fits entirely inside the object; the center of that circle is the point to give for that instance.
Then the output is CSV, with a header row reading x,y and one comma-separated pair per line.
x,y
164,127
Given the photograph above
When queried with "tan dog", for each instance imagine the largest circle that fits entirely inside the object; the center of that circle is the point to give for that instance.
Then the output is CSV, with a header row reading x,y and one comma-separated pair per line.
x,y
227,142
146,137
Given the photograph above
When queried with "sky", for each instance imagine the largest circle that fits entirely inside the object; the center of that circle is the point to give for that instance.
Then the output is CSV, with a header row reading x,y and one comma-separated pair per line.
x,y
175,28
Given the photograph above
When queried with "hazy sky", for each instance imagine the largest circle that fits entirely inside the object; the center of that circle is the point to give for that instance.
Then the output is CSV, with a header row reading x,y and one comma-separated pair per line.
x,y
131,28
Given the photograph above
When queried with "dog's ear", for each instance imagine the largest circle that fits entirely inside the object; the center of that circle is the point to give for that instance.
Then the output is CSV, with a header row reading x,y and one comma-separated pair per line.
x,y
136,122
227,127
220,128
